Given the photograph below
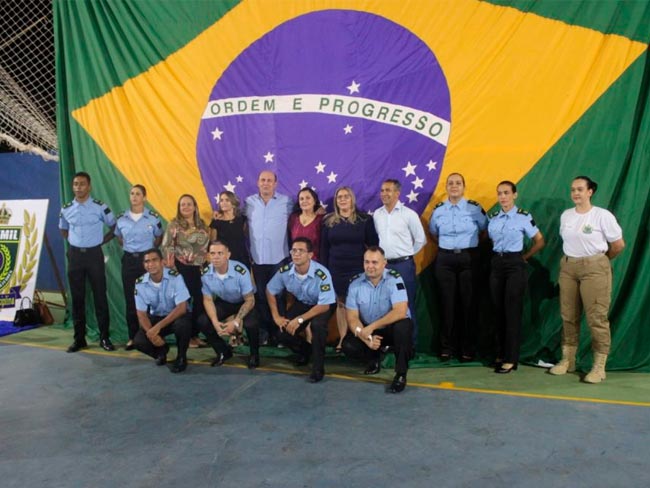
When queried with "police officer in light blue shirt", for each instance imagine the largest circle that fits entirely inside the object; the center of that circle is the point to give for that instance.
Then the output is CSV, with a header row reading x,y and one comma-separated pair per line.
x,y
311,284
508,279
82,223
161,303
138,229
268,216
229,301
378,316
456,225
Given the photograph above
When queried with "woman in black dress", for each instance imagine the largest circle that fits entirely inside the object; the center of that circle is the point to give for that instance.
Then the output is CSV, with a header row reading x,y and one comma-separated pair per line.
x,y
229,226
346,235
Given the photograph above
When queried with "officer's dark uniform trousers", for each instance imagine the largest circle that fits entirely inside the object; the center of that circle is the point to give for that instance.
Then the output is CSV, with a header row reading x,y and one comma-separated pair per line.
x,y
132,269
398,335
87,262
181,328
508,281
225,310
262,273
456,274
299,344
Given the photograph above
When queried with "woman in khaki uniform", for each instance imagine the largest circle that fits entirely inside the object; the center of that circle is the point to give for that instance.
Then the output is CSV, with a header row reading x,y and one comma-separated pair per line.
x,y
591,238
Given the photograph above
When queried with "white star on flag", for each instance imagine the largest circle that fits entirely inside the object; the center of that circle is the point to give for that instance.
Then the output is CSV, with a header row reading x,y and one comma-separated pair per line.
x,y
324,205
348,129
314,188
230,187
413,197
409,169
331,178
432,164
268,157
417,182
354,87
239,179
303,184
320,167
216,133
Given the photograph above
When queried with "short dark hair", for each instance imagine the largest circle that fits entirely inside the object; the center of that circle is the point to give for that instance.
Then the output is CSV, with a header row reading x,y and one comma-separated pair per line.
x,y
513,187
218,243
141,188
154,250
376,249
398,185
314,195
82,174
591,184
307,241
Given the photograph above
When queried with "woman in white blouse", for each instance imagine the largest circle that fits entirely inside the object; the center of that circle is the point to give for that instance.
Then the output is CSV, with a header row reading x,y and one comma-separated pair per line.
x,y
591,238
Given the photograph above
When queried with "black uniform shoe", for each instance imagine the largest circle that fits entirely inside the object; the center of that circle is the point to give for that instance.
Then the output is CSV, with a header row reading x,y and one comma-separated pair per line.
x,y
161,356
179,365
221,358
77,346
398,384
374,367
316,376
445,357
129,347
253,361
106,345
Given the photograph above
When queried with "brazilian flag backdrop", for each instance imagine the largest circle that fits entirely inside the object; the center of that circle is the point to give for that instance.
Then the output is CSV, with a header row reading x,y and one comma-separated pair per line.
x,y
197,96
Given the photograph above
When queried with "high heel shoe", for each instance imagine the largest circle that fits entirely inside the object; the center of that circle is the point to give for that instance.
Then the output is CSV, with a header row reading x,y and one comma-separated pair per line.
x,y
502,370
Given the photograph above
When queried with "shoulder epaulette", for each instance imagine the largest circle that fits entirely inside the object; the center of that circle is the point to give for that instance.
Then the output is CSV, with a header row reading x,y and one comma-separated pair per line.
x,y
155,214
240,269
354,277
284,268
474,202
205,268
440,204
120,215
494,214
321,274
394,273
522,211
173,272
98,202
69,204
140,279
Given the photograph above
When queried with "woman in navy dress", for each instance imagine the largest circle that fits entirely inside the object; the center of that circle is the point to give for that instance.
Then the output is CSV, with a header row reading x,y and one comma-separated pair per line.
x,y
346,235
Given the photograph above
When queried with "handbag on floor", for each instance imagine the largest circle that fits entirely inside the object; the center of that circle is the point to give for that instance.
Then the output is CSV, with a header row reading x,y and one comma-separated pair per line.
x,y
43,310
26,315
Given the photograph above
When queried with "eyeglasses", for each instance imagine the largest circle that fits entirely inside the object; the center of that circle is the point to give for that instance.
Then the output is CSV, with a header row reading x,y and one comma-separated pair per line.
x,y
298,252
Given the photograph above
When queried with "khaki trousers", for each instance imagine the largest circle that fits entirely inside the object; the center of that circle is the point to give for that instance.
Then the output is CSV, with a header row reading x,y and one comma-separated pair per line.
x,y
586,283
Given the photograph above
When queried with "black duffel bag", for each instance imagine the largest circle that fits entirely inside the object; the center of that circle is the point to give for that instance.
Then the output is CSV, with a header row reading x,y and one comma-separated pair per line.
x,y
26,316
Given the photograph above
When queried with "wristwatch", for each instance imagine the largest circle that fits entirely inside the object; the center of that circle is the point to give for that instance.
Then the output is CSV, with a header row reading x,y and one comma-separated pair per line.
x,y
300,320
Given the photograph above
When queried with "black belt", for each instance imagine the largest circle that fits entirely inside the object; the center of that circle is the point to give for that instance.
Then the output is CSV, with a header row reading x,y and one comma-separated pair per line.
x,y
455,251
84,249
399,260
505,254
133,254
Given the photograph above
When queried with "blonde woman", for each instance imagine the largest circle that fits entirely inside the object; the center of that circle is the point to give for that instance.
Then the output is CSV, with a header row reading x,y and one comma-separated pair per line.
x,y
346,235
230,227
185,247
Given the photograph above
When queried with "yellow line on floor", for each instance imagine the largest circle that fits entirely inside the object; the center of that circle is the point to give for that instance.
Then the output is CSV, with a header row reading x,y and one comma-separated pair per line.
x,y
442,386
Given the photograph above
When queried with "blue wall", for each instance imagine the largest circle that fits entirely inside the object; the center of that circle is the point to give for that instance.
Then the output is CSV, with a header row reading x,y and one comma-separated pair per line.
x,y
31,177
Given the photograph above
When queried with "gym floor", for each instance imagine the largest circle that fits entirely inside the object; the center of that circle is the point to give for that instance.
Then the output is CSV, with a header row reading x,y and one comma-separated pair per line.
x,y
104,419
